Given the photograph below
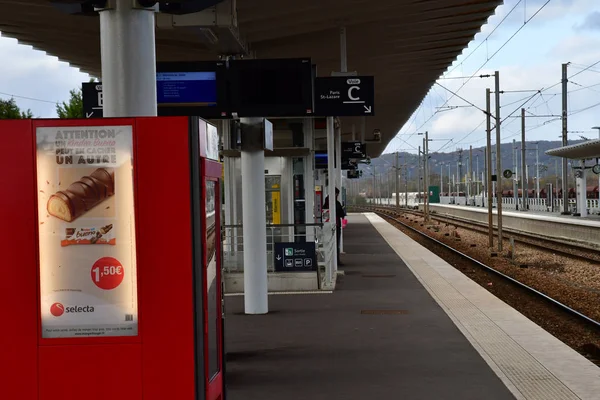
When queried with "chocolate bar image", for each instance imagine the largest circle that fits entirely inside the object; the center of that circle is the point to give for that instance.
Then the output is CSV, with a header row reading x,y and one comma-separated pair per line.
x,y
82,195
105,229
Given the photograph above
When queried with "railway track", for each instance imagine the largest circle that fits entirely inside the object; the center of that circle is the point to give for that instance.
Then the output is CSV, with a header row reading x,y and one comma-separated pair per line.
x,y
584,319
557,247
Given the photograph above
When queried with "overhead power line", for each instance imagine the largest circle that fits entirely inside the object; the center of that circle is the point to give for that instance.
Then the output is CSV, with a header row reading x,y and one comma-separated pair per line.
x,y
488,59
28,98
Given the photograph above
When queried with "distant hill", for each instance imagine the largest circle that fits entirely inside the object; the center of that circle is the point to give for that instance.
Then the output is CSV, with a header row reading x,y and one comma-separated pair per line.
x,y
384,162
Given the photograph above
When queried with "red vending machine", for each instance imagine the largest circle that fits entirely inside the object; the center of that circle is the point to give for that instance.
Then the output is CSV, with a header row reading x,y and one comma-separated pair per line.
x,y
111,260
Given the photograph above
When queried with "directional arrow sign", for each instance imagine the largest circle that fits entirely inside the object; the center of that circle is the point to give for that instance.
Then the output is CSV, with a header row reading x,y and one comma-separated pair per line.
x,y
345,96
93,102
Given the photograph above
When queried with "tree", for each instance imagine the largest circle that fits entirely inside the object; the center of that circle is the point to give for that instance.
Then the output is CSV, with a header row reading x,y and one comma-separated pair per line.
x,y
10,110
74,108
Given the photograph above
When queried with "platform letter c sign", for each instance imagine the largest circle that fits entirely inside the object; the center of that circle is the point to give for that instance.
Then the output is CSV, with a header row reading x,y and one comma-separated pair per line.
x,y
350,93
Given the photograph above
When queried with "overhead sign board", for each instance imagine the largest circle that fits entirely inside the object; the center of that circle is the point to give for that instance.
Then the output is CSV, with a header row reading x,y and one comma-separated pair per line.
x,y
354,150
343,96
348,164
295,257
93,102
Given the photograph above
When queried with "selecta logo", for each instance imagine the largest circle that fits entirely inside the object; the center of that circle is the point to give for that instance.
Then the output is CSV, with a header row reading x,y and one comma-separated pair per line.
x,y
57,309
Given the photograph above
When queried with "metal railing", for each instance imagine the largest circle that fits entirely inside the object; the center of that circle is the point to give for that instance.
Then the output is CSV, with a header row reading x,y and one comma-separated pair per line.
x,y
533,204
233,242
322,234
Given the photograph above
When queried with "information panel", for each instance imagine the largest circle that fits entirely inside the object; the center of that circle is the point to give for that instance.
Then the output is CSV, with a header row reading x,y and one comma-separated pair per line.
x,y
86,222
295,257
186,88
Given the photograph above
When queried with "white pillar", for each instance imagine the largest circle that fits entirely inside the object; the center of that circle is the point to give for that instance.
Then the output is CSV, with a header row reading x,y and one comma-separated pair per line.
x,y
331,189
128,60
255,234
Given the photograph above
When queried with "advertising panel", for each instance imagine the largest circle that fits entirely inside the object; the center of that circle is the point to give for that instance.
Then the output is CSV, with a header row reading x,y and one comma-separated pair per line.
x,y
213,302
88,280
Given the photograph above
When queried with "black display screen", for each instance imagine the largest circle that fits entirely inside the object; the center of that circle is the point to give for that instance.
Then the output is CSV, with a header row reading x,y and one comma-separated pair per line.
x,y
270,88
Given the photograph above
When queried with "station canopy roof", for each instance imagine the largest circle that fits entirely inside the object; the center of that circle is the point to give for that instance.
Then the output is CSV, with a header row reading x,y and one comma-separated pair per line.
x,y
580,151
405,44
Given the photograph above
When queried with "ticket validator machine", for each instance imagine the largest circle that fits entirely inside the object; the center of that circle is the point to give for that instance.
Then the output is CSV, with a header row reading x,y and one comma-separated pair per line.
x,y
111,262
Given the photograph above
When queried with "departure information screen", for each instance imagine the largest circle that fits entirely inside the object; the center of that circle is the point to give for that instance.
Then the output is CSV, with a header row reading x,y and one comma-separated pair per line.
x,y
186,88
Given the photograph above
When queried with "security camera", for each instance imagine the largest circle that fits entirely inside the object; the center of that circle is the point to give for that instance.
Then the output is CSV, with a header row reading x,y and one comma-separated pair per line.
x,y
377,134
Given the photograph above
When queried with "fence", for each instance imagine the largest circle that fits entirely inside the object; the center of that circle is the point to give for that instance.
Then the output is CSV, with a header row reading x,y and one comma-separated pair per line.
x,y
322,234
510,203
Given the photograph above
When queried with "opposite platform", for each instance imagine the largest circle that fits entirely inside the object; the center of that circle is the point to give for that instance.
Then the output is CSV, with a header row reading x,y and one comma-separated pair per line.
x,y
581,231
531,362
379,335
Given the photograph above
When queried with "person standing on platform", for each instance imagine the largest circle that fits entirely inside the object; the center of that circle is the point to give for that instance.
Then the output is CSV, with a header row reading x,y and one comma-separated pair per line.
x,y
340,214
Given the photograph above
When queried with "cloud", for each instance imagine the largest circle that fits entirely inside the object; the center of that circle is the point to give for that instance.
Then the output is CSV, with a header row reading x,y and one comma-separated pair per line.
x,y
591,22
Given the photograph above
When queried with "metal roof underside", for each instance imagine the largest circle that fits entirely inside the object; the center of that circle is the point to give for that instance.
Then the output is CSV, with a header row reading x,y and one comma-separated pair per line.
x,y
405,44
579,151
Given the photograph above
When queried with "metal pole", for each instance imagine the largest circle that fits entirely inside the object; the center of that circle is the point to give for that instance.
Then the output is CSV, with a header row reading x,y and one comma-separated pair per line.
x,y
470,172
489,170
515,183
331,193
498,162
537,170
484,177
523,156
441,178
423,181
458,173
477,177
596,127
419,178
396,183
449,181
127,44
556,175
406,181
374,179
426,175
565,181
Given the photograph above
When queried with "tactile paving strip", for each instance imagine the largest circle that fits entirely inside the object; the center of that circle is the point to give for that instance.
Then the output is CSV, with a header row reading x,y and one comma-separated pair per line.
x,y
531,379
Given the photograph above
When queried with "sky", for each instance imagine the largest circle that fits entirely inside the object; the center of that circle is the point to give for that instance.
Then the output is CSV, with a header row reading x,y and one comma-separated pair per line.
x,y
563,31
556,32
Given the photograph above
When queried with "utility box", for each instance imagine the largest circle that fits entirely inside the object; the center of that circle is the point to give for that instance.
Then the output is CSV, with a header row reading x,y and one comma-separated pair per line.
x,y
434,194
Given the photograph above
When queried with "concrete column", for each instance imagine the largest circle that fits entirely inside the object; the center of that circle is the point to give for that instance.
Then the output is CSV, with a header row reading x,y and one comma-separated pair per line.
x,y
127,46
254,223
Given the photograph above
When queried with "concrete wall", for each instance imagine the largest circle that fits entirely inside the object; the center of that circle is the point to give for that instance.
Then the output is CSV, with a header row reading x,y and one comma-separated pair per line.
x,y
277,282
583,232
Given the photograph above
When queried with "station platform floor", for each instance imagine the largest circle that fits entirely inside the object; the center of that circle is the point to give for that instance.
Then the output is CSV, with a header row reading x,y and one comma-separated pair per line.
x,y
402,323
